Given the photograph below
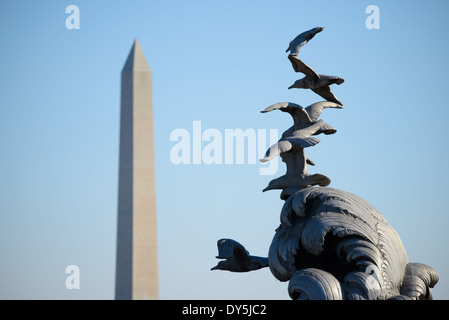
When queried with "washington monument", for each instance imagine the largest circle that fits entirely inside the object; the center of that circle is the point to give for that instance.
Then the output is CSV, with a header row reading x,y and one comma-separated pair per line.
x,y
136,264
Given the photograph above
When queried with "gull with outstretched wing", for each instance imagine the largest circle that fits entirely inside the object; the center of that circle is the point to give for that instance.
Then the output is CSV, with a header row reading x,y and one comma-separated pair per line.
x,y
296,140
297,43
318,83
237,258
304,117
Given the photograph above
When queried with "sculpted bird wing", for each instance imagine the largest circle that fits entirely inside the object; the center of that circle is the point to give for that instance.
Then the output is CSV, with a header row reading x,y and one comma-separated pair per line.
x,y
288,144
299,138
276,149
228,247
308,131
283,106
300,40
325,92
326,129
298,113
314,110
299,66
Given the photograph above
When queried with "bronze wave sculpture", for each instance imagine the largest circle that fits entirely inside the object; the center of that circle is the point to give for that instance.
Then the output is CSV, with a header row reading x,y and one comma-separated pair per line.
x,y
330,244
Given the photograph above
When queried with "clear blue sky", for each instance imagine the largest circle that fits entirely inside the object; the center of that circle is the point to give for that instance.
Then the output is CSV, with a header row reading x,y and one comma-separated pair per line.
x,y
221,63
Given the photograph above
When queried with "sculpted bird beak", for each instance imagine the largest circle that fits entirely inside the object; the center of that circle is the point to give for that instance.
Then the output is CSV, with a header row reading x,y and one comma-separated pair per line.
x,y
267,188
214,268
292,86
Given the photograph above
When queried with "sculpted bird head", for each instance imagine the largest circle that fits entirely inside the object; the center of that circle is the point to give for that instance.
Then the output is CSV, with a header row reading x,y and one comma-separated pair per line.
x,y
299,84
222,265
312,32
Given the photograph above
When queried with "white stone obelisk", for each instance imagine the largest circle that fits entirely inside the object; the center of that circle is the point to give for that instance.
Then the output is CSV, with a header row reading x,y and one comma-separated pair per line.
x,y
136,260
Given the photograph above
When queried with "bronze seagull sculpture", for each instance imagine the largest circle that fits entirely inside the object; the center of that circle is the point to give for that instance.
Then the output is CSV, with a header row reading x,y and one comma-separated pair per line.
x,y
305,124
298,139
297,43
318,83
237,257
292,143
291,150
304,117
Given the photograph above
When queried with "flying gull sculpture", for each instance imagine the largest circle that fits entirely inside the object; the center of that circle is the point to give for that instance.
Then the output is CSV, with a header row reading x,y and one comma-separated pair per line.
x,y
237,258
292,143
318,83
297,43
330,244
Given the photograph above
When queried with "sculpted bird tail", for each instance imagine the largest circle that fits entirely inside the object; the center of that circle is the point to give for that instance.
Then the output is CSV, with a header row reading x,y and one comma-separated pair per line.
x,y
310,162
317,179
326,129
293,182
